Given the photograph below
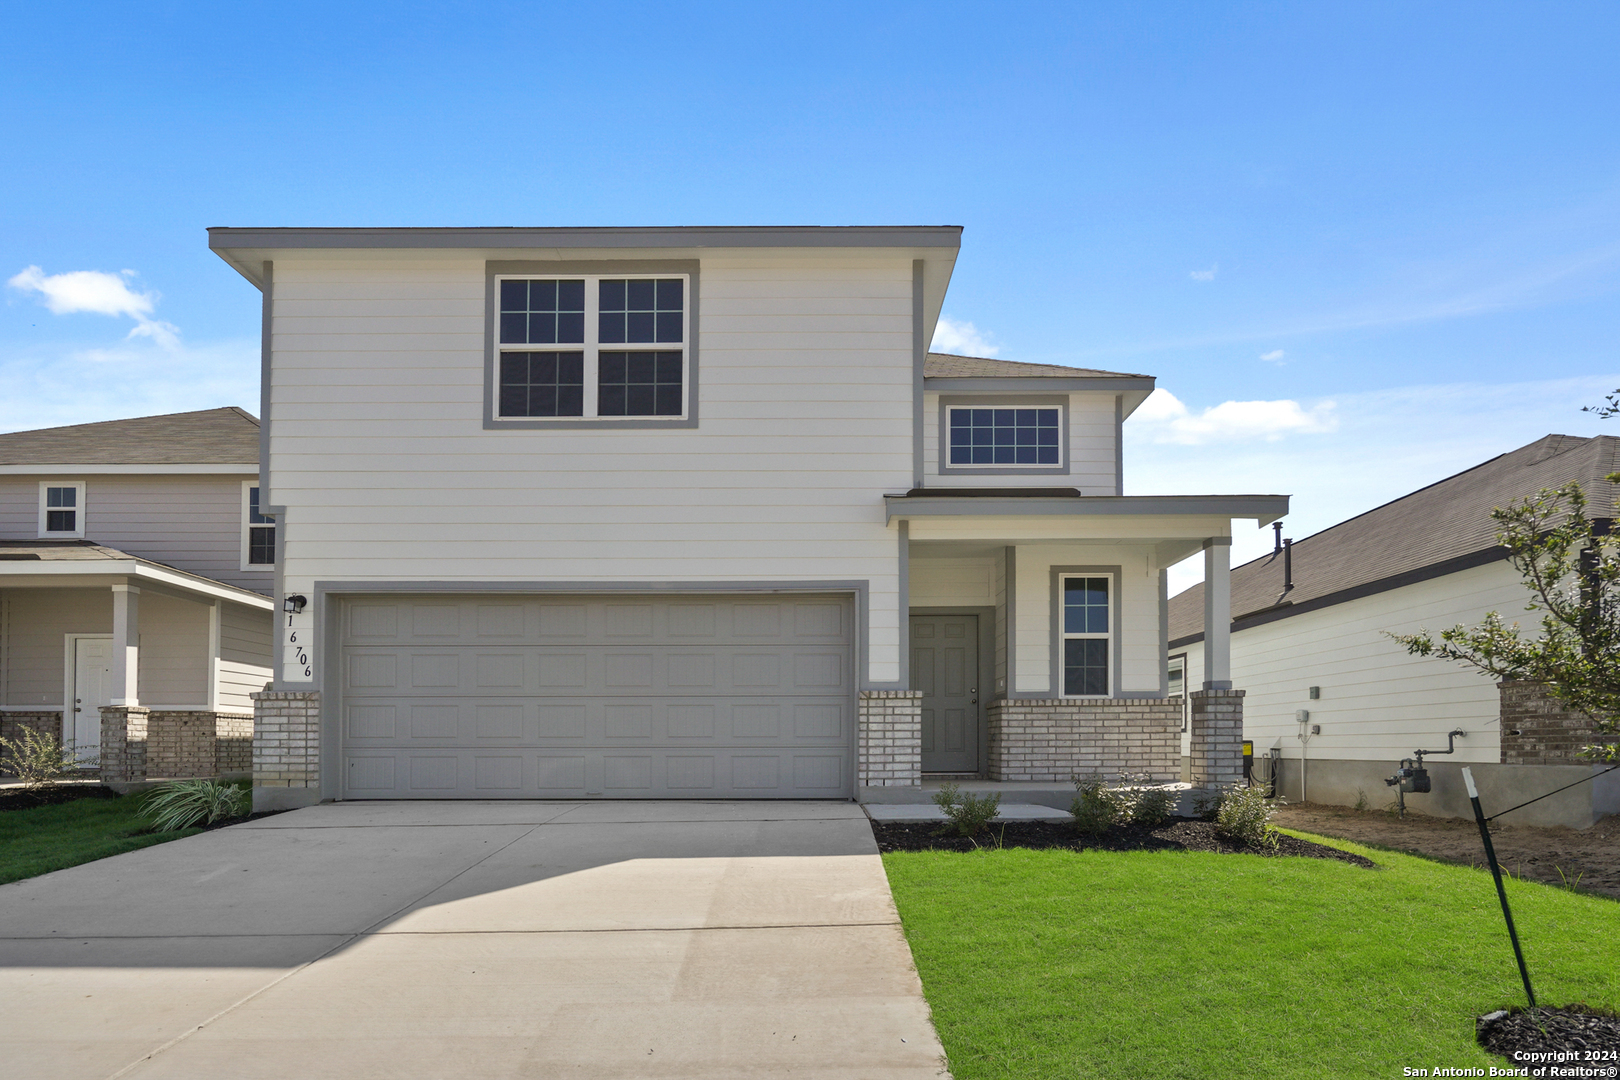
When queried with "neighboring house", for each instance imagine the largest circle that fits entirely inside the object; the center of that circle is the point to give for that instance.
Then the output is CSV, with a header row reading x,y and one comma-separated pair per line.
x,y
678,512
134,581
1320,643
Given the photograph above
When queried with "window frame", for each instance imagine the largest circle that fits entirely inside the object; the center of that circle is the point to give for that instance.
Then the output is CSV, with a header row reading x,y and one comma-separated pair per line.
x,y
79,508
1059,575
1186,692
497,271
248,525
989,401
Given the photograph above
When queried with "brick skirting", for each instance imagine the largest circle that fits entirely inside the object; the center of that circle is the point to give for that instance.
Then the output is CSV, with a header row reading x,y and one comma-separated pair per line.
x,y
1538,730
173,744
1055,740
13,724
287,739
890,741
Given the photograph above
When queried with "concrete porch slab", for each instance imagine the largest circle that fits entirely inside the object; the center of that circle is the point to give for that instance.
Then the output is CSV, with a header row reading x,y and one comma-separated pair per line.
x,y
930,812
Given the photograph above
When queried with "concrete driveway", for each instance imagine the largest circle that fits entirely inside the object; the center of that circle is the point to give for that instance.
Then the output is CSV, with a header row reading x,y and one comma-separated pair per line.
x,y
403,940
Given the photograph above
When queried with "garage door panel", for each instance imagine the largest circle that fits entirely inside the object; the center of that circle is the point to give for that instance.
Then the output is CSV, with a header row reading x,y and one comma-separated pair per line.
x,y
565,697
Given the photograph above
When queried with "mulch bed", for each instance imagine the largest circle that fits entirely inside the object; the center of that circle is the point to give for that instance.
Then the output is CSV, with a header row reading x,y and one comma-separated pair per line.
x,y
1575,1030
1178,835
23,799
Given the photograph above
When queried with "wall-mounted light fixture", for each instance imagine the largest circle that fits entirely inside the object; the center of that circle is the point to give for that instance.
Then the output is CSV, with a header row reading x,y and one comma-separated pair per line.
x,y
292,605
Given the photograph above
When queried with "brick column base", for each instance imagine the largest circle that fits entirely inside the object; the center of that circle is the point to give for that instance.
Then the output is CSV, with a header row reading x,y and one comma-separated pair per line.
x,y
889,751
286,749
123,743
1217,738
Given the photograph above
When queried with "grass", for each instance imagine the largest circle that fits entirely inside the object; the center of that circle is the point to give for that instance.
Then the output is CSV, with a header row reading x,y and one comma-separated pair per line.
x,y
45,838
1104,964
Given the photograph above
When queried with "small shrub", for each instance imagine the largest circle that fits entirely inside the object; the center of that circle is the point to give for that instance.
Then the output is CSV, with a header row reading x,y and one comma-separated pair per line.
x,y
180,804
38,759
968,814
1244,817
1096,806
1143,802
1361,801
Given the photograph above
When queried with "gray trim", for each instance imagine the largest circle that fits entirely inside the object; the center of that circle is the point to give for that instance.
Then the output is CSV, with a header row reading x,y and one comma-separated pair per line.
x,y
1010,554
1026,384
496,267
1119,444
987,664
1265,508
266,329
919,356
947,402
1116,611
223,238
903,607
1483,557
1164,633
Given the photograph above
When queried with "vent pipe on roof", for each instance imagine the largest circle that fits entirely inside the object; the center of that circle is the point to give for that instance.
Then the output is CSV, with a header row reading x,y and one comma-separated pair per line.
x,y
1276,536
1288,565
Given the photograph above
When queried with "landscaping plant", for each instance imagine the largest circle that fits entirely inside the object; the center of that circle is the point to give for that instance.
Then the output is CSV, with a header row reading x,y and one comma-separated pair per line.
x,y
38,759
1096,806
1146,803
1244,817
182,804
967,813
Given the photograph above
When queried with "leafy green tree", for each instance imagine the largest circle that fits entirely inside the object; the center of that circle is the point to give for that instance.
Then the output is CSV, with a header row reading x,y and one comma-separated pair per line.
x,y
1571,568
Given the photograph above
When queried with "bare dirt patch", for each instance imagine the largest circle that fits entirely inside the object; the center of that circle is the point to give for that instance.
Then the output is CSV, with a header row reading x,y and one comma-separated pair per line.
x,y
1589,858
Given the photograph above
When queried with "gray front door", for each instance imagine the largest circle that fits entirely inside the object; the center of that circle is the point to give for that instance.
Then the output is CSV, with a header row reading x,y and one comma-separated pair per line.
x,y
945,667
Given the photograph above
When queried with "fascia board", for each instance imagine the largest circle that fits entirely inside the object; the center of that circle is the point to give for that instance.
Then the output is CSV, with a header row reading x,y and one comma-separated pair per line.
x,y
1264,508
1040,384
183,469
135,572
870,236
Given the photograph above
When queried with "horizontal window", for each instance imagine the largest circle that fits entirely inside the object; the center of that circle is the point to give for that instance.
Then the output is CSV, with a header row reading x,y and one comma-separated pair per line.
x,y
555,357
1028,437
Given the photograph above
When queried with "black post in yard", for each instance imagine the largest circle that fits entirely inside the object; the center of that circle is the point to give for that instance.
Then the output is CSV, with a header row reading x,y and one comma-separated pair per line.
x,y
1496,872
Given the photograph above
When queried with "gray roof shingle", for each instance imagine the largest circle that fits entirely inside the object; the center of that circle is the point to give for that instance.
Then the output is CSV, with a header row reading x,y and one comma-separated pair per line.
x,y
951,366
209,436
1447,520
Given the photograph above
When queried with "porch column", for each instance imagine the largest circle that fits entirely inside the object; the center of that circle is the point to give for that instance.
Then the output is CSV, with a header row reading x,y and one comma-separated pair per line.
x,y
126,645
1218,613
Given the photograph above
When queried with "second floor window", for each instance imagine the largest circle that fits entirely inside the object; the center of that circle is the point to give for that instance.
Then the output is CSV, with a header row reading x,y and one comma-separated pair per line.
x,y
258,533
1010,437
592,347
61,510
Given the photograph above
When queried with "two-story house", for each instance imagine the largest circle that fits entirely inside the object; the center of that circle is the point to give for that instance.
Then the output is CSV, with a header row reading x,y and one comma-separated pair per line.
x,y
135,574
692,512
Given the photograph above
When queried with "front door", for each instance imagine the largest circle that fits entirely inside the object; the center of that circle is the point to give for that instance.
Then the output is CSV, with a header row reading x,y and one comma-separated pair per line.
x,y
92,674
945,667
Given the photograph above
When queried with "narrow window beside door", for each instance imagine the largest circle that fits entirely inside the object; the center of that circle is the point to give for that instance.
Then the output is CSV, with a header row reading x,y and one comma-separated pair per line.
x,y
1087,628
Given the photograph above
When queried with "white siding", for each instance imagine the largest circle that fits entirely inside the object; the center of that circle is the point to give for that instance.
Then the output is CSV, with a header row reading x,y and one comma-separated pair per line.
x,y
953,582
1092,462
1378,702
244,655
804,403
1136,613
193,523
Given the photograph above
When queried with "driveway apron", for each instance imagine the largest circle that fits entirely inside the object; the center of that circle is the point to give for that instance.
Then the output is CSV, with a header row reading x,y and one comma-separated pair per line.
x,y
404,940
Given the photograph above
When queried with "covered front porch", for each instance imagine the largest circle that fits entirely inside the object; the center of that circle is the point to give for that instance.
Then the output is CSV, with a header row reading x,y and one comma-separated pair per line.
x,y
1036,643
142,670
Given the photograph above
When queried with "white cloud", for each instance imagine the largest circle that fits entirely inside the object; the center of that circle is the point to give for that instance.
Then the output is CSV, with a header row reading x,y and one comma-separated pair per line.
x,y
1275,356
1167,420
962,338
1205,275
102,294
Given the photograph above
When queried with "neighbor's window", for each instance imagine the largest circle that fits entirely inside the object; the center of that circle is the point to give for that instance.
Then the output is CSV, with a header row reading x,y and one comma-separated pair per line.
x,y
1176,683
258,532
1019,437
1086,628
556,354
61,510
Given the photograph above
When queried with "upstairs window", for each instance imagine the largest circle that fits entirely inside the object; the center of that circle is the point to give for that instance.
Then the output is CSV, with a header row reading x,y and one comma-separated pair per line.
x,y
1017,437
61,510
1087,620
561,351
258,532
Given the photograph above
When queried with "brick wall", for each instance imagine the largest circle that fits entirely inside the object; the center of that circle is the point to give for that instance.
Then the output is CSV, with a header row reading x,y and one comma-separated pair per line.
x,y
286,739
179,744
1057,739
890,744
13,724
1538,730
1217,737
123,742
233,748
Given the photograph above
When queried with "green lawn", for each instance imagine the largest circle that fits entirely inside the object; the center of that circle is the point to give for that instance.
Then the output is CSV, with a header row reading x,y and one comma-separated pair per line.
x,y
45,838
1173,964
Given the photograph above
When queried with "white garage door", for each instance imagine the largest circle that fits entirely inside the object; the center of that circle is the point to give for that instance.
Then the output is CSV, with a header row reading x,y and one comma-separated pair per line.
x,y
488,697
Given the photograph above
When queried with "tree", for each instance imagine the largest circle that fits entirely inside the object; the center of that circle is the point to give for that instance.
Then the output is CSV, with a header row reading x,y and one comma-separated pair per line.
x,y
1571,567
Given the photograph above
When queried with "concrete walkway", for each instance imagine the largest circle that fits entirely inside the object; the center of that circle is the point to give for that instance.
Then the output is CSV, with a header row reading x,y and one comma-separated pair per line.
x,y
404,940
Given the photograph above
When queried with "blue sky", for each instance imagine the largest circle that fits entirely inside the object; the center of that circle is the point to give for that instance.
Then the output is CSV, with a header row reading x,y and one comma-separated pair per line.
x,y
1393,230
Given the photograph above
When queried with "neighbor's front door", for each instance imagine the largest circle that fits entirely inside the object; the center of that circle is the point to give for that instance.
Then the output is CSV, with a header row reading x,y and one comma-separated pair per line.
x,y
945,667
92,674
